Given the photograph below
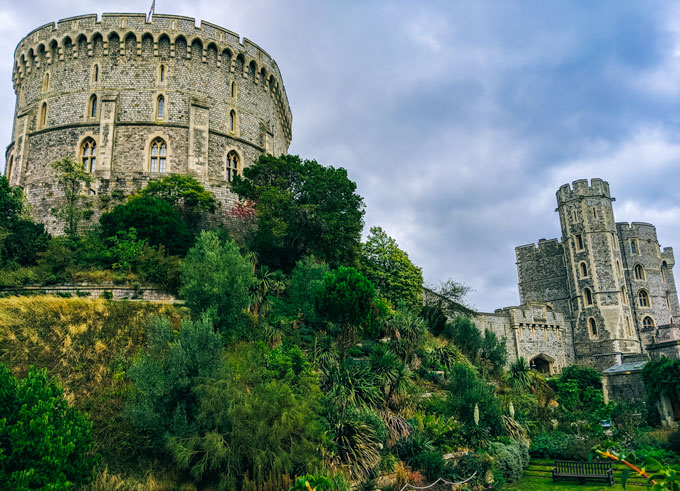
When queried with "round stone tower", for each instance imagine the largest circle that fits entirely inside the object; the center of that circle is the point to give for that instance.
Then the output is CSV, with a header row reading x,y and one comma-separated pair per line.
x,y
603,324
135,100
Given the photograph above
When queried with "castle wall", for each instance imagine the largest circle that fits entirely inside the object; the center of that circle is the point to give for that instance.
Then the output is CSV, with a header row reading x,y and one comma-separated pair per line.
x,y
542,275
535,332
203,74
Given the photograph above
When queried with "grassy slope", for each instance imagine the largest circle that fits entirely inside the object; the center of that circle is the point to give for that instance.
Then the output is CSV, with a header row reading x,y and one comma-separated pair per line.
x,y
88,345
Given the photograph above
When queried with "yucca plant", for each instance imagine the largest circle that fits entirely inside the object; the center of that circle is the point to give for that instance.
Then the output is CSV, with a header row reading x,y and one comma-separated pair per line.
x,y
519,375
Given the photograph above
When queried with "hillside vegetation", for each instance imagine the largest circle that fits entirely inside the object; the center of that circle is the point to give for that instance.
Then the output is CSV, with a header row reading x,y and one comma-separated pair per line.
x,y
302,358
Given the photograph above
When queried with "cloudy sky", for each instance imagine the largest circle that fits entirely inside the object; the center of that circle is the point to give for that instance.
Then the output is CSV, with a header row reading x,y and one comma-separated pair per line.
x,y
459,119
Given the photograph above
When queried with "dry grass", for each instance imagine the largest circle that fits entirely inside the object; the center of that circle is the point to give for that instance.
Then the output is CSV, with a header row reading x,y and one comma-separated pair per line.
x,y
88,345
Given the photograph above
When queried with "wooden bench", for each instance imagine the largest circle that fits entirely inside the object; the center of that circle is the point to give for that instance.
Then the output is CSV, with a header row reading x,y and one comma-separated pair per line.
x,y
573,470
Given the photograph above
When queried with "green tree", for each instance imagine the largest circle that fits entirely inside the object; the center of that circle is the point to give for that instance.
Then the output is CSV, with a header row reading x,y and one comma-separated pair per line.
x,y
166,376
71,177
11,202
216,277
390,270
21,239
154,220
185,194
345,297
443,302
303,208
44,443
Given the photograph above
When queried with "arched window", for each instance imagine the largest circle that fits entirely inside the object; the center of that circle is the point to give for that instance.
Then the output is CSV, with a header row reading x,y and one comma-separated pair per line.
x,y
93,106
162,73
592,327
157,155
88,154
95,73
647,322
584,270
633,247
160,107
624,295
43,114
233,89
232,165
587,296
594,212
668,300
46,83
643,298
664,266
628,328
232,120
639,272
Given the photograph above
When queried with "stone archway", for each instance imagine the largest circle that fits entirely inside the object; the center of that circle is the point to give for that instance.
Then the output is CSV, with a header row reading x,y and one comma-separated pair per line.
x,y
543,364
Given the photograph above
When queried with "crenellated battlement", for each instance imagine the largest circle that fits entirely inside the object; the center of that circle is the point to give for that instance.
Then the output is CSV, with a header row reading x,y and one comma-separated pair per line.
x,y
57,41
582,189
545,247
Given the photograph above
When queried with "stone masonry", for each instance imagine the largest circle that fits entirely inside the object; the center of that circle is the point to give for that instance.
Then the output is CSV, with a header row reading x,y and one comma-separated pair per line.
x,y
123,83
611,281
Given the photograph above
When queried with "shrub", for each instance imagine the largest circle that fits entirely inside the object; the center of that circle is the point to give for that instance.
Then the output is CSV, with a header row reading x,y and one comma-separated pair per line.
x,y
44,443
510,459
155,220
467,390
559,445
165,377
674,442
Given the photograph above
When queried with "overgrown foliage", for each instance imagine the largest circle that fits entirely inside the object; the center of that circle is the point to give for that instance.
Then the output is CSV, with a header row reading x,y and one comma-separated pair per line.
x,y
303,208
44,443
216,279
391,271
71,177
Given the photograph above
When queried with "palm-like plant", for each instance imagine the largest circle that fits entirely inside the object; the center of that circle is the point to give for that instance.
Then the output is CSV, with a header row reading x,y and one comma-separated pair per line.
x,y
406,328
358,446
352,385
519,377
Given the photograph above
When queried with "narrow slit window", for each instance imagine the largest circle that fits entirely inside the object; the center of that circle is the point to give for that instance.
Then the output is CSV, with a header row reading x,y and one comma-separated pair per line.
x,y
160,114
162,77
628,329
633,247
43,114
96,73
588,296
584,270
592,326
232,121
93,106
579,242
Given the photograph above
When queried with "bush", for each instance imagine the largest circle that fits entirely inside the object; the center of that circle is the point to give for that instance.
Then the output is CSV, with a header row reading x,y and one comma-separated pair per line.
x,y
165,377
155,221
26,239
559,445
510,459
154,266
44,443
674,442
468,389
